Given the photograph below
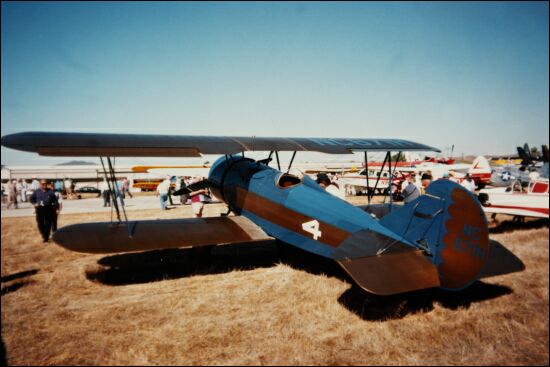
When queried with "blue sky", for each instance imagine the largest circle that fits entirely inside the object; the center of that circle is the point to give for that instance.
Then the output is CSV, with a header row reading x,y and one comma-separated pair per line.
x,y
470,74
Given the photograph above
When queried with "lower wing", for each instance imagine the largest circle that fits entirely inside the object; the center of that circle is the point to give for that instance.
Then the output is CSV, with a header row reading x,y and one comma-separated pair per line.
x,y
107,237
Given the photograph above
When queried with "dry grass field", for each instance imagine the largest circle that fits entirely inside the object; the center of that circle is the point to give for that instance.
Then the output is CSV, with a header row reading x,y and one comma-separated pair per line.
x,y
247,306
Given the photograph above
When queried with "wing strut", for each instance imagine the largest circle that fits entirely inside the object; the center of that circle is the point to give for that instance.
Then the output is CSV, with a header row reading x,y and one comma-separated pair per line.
x,y
278,162
378,178
115,194
367,175
291,160
390,181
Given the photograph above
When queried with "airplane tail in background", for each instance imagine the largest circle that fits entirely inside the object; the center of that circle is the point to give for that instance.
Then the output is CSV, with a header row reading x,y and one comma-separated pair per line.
x,y
481,171
449,224
480,164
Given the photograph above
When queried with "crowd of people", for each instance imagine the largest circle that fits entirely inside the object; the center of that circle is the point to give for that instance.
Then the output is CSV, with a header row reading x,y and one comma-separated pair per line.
x,y
20,191
413,187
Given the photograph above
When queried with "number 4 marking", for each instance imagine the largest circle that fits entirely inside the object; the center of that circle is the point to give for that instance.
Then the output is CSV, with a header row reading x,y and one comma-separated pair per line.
x,y
313,228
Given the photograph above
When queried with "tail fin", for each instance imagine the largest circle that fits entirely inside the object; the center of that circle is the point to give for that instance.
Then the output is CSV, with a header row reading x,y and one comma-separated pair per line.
x,y
449,224
480,165
525,155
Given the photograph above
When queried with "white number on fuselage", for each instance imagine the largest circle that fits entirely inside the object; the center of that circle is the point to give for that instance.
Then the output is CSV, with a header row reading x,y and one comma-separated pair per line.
x,y
313,228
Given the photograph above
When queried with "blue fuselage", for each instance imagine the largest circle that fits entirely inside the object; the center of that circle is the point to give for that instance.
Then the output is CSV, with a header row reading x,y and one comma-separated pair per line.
x,y
302,214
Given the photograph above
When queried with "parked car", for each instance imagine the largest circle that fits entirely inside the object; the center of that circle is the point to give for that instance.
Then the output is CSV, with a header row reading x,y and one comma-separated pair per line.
x,y
88,190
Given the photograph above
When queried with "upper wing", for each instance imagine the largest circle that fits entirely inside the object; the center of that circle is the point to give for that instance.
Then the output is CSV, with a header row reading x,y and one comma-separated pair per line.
x,y
135,145
106,237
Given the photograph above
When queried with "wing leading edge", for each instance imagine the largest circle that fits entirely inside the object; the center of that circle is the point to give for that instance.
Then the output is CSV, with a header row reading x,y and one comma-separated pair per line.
x,y
136,145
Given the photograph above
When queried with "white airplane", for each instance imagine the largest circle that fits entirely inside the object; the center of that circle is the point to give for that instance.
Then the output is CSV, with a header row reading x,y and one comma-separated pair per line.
x,y
517,200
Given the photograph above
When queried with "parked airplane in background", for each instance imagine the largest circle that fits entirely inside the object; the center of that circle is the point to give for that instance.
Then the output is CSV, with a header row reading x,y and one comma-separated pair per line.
x,y
531,167
440,239
181,170
479,170
517,200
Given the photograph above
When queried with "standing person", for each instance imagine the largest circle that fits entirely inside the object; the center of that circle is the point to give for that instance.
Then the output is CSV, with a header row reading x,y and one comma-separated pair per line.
x,y
180,184
162,191
405,183
170,180
25,185
197,202
126,186
468,183
19,191
12,194
426,181
69,188
44,202
35,185
118,192
410,192
57,207
418,182
331,187
22,188
58,186
105,193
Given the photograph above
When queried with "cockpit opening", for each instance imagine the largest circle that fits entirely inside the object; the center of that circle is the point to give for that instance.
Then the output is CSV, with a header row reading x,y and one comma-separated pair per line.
x,y
287,180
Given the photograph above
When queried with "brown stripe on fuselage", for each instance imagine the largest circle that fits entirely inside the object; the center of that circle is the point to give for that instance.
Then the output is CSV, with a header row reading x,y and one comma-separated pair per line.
x,y
287,218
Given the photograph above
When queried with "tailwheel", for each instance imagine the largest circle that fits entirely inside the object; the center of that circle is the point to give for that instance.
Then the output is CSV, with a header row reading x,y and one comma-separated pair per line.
x,y
518,219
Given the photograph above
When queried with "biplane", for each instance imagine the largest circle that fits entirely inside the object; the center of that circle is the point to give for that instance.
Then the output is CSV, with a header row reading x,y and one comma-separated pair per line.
x,y
439,240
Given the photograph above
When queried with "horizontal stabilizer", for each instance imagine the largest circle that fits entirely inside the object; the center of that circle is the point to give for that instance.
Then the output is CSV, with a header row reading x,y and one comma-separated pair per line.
x,y
392,273
450,225
502,261
107,237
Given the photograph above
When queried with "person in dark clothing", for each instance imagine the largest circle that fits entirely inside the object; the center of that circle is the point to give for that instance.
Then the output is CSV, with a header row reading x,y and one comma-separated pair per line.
x,y
183,196
57,207
45,203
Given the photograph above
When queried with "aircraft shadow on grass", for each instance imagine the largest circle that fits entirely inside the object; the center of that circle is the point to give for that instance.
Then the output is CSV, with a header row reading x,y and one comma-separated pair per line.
x,y
15,286
132,268
19,284
510,225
